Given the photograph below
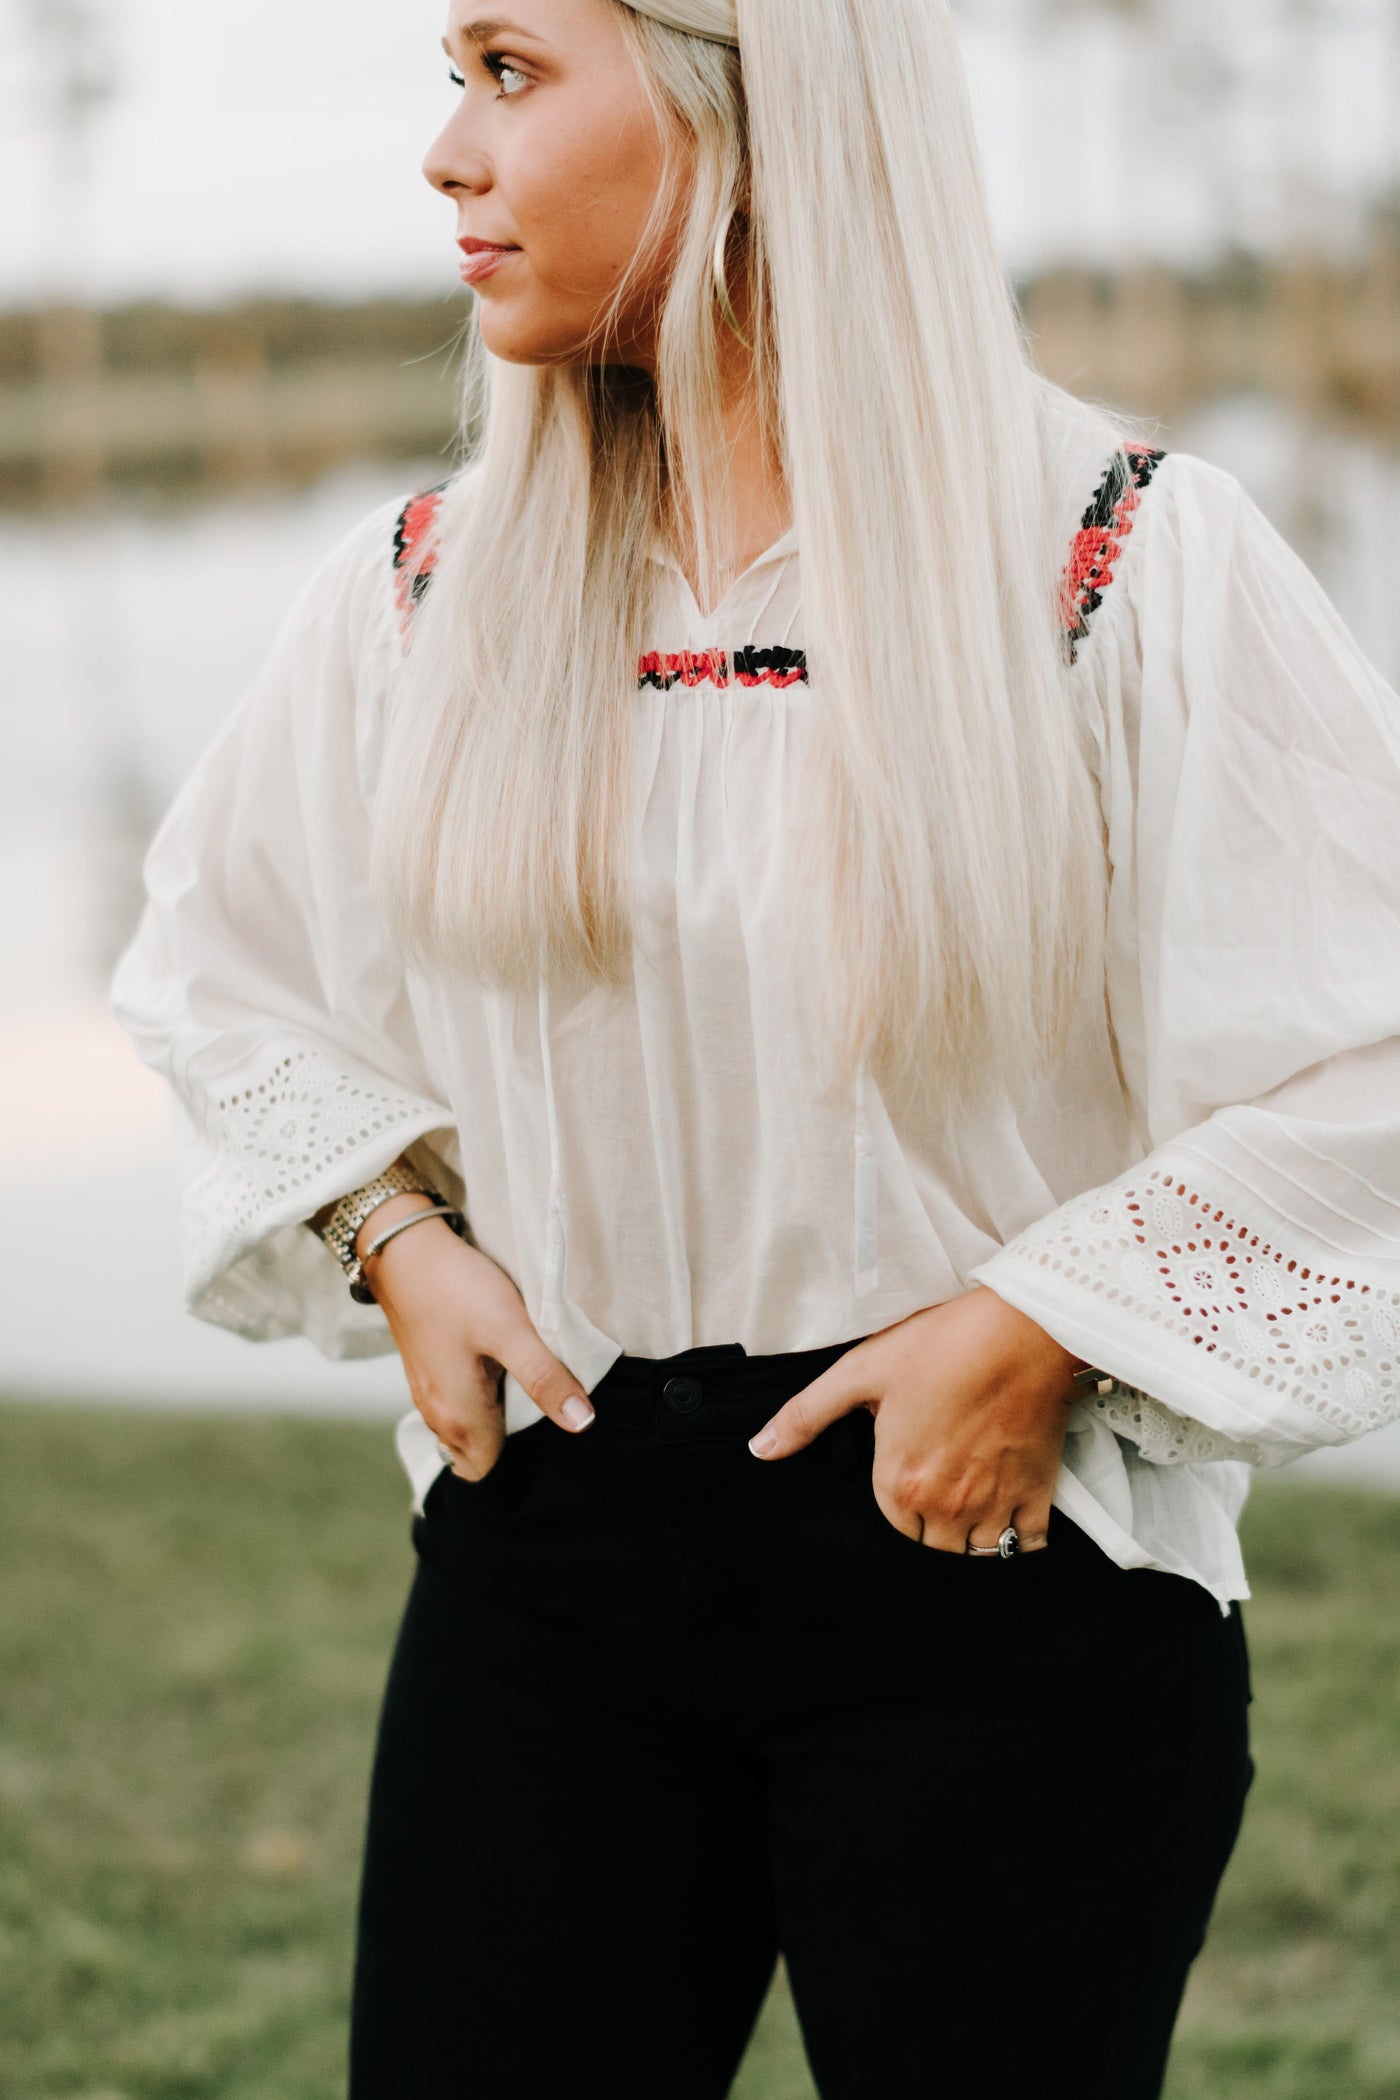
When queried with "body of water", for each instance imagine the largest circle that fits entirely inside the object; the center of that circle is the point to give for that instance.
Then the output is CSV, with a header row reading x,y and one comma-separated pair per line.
x,y
126,641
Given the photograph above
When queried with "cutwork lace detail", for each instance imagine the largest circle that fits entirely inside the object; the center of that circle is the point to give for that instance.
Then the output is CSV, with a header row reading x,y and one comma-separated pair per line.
x,y
1164,1437
275,1137
1159,1248
1099,541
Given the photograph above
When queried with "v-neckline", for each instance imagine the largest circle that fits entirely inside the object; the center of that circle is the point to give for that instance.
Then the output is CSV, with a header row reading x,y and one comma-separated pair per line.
x,y
777,547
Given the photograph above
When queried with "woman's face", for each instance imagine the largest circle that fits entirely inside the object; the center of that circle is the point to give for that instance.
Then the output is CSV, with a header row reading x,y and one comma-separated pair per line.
x,y
554,151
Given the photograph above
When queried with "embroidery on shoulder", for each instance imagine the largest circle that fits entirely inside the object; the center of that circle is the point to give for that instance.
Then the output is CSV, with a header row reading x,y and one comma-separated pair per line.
x,y
1099,540
747,666
415,551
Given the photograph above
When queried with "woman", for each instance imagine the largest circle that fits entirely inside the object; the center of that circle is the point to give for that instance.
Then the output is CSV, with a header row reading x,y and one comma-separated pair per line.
x,y
814,932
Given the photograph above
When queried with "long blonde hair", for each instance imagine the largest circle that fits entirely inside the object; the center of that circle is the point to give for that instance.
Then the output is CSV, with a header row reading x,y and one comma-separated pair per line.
x,y
950,855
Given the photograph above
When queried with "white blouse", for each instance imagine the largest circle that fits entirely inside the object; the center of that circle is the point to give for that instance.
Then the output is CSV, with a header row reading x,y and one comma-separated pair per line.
x,y
1205,1201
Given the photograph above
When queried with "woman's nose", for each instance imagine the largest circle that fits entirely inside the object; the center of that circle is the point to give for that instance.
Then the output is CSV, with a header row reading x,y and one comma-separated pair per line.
x,y
451,164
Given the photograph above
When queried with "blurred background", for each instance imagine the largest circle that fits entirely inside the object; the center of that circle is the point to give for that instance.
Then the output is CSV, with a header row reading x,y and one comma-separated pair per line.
x,y
227,303
227,306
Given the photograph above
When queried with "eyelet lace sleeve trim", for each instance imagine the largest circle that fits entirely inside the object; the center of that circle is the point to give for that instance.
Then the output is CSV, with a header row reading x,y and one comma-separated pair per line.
x,y
1165,1438
1151,1270
294,1130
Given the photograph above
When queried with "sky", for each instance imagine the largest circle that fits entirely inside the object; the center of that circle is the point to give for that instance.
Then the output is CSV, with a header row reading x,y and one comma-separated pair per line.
x,y
276,146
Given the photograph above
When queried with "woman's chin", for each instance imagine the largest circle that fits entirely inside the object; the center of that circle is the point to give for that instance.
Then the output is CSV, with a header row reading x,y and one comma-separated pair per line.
x,y
518,338
509,336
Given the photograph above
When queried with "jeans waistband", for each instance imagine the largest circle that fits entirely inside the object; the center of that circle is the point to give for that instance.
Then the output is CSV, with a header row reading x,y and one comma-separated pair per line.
x,y
722,1371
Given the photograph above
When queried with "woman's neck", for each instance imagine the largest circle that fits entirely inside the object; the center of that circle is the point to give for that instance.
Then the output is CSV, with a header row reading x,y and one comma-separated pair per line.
x,y
756,506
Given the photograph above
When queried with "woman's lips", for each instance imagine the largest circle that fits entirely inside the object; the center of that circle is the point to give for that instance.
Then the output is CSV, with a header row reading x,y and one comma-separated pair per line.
x,y
482,262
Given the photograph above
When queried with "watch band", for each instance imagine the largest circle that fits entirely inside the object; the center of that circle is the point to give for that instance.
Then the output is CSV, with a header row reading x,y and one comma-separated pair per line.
x,y
342,1226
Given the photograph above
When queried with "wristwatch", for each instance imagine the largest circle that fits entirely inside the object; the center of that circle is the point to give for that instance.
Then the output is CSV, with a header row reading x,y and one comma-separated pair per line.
x,y
342,1227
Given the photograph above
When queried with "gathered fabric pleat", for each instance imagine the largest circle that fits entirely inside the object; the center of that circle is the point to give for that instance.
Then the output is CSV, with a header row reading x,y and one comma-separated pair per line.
x,y
554,1243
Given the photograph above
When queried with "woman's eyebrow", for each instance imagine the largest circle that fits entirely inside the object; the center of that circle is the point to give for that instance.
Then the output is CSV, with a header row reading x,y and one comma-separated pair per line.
x,y
478,32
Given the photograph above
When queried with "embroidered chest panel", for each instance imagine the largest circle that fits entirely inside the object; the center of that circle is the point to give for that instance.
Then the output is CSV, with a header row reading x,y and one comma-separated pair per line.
x,y
1087,574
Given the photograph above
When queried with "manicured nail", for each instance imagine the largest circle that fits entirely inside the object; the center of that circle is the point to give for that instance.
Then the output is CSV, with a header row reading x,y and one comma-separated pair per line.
x,y
577,1413
763,1443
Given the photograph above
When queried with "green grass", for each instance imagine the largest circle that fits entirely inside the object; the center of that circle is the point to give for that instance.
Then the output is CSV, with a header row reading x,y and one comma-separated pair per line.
x,y
195,1616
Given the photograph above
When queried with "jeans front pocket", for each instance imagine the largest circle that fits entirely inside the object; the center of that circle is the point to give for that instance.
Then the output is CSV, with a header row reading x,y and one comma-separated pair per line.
x,y
500,1491
854,1435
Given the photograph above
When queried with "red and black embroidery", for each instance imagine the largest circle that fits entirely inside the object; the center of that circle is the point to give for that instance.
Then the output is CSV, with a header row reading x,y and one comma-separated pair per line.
x,y
415,558
415,551
1087,574
1099,540
747,666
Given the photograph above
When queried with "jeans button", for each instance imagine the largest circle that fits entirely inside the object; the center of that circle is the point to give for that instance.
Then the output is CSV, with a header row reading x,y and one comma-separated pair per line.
x,y
682,1394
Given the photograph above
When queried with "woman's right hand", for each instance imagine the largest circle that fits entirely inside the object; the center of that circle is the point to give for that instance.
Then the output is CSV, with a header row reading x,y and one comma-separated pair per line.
x,y
460,1324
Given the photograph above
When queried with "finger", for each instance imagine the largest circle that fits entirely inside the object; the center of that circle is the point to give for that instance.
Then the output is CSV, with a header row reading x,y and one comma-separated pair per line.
x,y
469,1428
1029,1521
945,1535
468,1456
1032,1521
457,1461
987,1531
938,1505
910,1498
551,1385
917,1498
895,1514
842,1386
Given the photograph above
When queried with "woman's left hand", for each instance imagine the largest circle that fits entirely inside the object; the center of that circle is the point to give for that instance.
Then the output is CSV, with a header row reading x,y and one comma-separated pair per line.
x,y
971,1401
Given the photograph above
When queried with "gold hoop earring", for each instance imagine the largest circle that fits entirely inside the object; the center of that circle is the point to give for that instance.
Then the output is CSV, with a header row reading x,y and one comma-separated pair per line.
x,y
727,313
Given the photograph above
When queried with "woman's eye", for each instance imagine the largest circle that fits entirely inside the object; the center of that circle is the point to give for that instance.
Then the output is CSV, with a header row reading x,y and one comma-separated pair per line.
x,y
496,66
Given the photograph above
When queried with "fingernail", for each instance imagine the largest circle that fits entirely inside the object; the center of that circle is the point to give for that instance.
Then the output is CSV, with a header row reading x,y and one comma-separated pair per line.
x,y
577,1413
763,1443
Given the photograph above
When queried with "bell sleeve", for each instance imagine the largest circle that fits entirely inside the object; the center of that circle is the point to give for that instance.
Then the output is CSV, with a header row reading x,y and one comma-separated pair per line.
x,y
1241,1281
263,983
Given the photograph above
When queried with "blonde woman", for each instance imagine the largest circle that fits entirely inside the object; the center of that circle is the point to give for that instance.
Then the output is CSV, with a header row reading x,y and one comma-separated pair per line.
x,y
813,933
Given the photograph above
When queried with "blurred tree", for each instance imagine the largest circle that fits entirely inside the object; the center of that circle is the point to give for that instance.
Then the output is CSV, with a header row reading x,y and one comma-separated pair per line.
x,y
74,78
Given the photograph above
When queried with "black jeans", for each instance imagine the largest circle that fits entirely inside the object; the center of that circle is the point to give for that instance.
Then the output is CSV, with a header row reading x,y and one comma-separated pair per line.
x,y
660,1709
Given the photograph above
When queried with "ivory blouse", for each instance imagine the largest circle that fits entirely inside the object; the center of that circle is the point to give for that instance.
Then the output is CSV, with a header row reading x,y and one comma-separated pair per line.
x,y
1205,1201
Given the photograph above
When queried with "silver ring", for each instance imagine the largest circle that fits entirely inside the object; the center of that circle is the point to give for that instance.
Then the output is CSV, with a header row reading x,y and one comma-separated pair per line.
x,y
1006,1547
